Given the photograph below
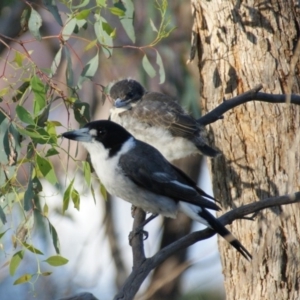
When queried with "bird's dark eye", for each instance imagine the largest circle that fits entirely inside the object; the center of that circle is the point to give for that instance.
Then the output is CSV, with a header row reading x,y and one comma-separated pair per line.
x,y
101,132
130,95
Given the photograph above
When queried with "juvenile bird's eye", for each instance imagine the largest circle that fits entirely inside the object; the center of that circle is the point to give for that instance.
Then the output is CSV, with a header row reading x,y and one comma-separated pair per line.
x,y
130,94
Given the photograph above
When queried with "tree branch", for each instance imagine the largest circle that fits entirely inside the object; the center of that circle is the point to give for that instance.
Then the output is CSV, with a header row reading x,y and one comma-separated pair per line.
x,y
140,273
136,240
252,95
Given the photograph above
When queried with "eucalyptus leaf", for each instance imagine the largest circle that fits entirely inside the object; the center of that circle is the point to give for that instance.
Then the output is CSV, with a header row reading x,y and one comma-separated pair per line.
x,y
69,28
24,278
67,196
56,61
161,70
39,91
81,112
56,261
55,239
89,70
148,67
15,262
128,19
51,6
34,24
46,169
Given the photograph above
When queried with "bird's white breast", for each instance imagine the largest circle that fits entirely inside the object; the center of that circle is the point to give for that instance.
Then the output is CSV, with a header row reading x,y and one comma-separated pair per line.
x,y
112,177
170,147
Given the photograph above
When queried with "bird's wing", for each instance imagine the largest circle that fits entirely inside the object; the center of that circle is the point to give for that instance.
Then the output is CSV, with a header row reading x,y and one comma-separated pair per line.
x,y
167,113
161,178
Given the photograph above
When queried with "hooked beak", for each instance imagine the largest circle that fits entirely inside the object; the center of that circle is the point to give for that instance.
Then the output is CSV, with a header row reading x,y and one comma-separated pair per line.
x,y
80,135
122,103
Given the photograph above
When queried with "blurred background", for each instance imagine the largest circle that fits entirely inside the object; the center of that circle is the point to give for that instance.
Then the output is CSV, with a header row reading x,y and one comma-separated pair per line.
x,y
95,239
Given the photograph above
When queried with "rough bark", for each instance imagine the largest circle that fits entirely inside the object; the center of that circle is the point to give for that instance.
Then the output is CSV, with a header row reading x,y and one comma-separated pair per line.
x,y
241,44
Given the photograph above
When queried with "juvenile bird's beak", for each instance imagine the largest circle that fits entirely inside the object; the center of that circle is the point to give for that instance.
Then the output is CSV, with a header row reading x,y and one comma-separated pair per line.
x,y
80,135
121,103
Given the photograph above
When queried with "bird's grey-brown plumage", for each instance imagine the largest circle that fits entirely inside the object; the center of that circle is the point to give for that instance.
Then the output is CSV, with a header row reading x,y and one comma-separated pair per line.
x,y
157,119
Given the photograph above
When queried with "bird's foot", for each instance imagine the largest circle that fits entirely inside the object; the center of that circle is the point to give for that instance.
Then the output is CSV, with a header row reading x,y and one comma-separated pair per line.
x,y
137,231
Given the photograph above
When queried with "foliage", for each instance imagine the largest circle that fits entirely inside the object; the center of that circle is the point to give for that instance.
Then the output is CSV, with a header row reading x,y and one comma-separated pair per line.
x,y
28,136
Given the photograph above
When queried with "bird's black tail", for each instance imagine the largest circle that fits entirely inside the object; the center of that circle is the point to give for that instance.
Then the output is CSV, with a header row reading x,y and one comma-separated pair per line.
x,y
224,232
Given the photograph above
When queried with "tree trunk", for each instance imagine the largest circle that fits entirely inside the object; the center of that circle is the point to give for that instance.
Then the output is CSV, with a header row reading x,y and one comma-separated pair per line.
x,y
242,44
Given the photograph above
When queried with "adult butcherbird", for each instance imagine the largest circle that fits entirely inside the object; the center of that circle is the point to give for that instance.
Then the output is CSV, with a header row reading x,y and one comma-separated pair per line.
x,y
158,120
138,173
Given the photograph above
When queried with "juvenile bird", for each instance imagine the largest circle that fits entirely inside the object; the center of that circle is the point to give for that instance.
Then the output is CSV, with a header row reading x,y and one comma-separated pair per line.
x,y
158,120
136,172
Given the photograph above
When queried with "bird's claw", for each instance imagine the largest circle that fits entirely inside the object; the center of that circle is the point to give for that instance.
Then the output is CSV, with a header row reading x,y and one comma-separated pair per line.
x,y
137,231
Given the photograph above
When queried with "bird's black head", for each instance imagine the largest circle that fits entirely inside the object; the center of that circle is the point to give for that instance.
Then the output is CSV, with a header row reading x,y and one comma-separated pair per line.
x,y
126,92
111,135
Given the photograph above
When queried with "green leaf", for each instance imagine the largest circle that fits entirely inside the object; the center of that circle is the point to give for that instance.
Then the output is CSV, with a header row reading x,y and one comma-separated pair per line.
x,y
34,24
36,185
89,70
93,194
45,210
32,249
56,61
51,6
87,173
55,239
161,70
80,24
2,216
67,196
28,196
103,31
83,15
101,3
24,278
25,18
82,4
103,192
15,262
90,45
117,11
46,169
69,28
20,91
4,91
76,199
2,233
54,123
24,115
81,112
148,67
38,134
56,260
39,91
69,69
10,140
43,115
51,152
127,20
153,26
25,226
19,57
